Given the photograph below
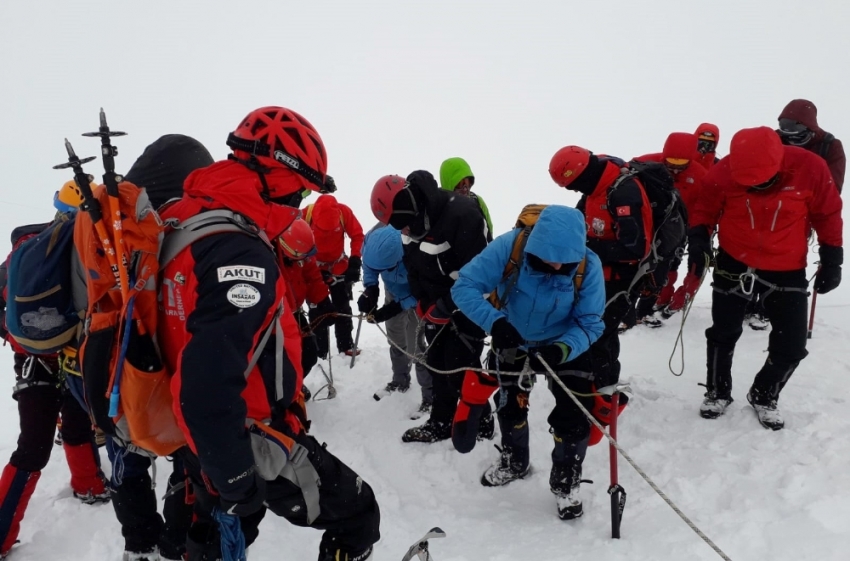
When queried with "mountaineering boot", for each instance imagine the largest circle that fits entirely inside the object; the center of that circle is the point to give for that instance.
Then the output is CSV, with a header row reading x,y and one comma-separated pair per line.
x,y
424,409
565,477
351,352
152,555
431,431
87,481
757,321
511,465
766,410
486,428
341,555
305,391
389,389
652,320
713,405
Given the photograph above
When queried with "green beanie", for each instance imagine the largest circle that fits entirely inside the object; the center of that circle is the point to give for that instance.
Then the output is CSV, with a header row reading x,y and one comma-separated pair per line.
x,y
452,172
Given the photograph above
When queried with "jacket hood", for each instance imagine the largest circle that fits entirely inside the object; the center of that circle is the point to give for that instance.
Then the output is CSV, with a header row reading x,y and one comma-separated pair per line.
x,y
559,235
681,145
326,214
755,156
452,172
228,184
804,112
382,249
164,166
709,128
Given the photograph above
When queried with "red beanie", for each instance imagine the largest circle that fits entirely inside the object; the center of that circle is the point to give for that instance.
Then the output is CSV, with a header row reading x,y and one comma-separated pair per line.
x,y
755,155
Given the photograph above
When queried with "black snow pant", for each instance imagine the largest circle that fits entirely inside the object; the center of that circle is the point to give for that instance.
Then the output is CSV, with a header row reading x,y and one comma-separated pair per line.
x,y
512,402
604,354
457,344
135,504
784,294
349,515
341,299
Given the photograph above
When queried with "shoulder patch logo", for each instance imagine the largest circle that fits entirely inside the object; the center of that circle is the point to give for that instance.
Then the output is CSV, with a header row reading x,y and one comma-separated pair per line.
x,y
242,273
243,295
624,211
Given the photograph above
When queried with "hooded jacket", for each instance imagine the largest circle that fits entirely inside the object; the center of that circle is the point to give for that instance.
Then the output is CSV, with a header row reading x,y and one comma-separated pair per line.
x,y
455,233
768,229
383,256
682,145
218,297
544,308
165,164
804,112
304,282
455,170
709,158
331,221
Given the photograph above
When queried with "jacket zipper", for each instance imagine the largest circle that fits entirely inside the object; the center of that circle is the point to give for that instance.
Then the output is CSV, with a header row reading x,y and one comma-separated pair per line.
x,y
775,215
752,218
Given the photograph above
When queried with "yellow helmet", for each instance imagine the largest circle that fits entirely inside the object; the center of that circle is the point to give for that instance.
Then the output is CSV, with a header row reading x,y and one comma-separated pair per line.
x,y
69,198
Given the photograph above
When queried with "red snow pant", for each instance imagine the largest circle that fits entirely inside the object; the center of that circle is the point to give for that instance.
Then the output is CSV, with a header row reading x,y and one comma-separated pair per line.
x,y
41,397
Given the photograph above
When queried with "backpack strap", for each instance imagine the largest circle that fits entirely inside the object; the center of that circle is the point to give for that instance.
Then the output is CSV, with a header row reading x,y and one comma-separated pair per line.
x,y
511,268
308,214
825,145
578,280
189,231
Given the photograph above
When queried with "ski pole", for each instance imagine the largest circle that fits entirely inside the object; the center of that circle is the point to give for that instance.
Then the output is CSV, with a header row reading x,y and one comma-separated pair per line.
x,y
111,180
812,314
356,341
90,204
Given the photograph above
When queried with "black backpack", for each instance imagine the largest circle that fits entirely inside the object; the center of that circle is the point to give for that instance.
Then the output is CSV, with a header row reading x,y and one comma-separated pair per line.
x,y
669,215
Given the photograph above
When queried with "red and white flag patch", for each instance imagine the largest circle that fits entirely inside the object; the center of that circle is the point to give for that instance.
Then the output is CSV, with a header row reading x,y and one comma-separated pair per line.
x,y
624,211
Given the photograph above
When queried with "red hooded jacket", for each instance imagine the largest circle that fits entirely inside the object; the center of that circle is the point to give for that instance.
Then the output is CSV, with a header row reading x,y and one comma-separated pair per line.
x,y
708,159
682,145
304,282
218,297
805,113
331,222
768,229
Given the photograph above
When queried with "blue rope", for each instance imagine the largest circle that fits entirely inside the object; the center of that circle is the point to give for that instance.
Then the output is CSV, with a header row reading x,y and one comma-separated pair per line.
x,y
232,538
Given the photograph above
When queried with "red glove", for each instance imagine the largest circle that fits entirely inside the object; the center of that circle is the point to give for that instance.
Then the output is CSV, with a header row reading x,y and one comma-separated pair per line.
x,y
476,390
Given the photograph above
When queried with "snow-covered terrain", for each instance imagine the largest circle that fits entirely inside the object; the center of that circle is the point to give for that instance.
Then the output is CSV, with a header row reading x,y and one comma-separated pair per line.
x,y
758,494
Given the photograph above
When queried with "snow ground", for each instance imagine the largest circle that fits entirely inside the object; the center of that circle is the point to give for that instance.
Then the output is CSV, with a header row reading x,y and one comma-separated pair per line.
x,y
758,494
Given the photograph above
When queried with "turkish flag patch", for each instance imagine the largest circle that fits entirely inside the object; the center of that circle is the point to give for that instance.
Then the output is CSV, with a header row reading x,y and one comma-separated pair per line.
x,y
624,211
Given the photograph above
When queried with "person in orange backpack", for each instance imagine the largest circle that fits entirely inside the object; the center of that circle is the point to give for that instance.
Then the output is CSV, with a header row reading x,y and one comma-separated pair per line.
x,y
331,221
42,394
296,251
708,136
234,350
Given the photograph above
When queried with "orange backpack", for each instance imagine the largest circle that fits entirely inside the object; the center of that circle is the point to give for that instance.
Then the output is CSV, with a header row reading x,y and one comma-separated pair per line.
x,y
127,386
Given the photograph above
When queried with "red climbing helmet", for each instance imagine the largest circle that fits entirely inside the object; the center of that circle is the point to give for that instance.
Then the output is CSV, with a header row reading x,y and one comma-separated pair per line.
x,y
383,193
297,241
568,163
272,137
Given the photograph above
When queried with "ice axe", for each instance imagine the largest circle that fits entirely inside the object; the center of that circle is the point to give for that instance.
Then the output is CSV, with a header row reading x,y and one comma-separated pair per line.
x,y
420,548
812,312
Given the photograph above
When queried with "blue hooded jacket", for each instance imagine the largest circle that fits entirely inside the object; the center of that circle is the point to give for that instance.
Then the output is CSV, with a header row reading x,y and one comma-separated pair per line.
x,y
382,255
543,307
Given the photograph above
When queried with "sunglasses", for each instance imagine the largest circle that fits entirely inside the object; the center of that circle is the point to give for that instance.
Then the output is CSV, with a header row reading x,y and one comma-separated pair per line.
x,y
790,127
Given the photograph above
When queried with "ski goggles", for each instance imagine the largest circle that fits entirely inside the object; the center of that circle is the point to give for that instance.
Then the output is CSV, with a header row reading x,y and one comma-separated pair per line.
x,y
793,132
675,165
704,146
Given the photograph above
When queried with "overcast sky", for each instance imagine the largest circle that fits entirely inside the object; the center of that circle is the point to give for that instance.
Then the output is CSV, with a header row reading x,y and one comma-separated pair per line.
x,y
398,86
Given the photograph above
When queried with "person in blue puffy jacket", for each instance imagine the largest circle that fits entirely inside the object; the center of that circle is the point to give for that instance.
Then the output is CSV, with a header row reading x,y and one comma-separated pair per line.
x,y
552,305
382,257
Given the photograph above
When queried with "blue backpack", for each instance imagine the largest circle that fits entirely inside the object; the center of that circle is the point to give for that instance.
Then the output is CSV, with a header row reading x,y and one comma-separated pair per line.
x,y
40,313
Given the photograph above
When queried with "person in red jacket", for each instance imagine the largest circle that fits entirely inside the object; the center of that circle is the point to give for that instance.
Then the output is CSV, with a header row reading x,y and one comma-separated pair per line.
x,y
296,251
681,157
708,135
331,222
798,126
235,352
764,197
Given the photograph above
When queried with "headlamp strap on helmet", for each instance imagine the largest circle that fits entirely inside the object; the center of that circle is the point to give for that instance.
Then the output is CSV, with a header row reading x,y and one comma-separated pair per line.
x,y
259,148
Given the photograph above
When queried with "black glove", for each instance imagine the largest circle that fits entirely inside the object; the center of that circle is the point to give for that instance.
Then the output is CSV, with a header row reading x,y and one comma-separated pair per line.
x,y
327,276
322,314
554,355
384,313
369,299
249,501
505,335
699,249
352,274
829,273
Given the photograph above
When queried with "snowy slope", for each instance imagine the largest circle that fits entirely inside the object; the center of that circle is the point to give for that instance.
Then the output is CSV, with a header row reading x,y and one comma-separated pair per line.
x,y
758,494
